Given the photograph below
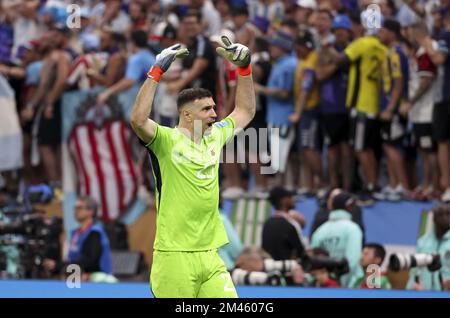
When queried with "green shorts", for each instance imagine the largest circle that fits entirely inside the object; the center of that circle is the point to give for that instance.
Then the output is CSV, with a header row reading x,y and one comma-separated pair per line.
x,y
190,275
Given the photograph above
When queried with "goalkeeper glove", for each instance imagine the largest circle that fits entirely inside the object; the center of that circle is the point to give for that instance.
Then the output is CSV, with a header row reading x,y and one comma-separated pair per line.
x,y
237,54
165,59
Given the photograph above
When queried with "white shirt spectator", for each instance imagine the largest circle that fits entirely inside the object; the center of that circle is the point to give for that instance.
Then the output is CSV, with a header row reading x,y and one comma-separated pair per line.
x,y
422,110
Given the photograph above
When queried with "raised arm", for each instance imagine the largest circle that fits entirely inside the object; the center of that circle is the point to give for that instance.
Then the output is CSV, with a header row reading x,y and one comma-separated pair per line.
x,y
245,108
143,126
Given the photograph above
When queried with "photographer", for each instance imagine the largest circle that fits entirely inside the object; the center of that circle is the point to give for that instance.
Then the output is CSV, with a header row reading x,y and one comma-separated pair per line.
x,y
89,244
341,237
373,254
321,275
282,233
436,241
255,267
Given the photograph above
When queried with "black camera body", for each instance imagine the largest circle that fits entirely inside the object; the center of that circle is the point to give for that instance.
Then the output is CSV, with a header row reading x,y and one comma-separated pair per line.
x,y
36,236
337,267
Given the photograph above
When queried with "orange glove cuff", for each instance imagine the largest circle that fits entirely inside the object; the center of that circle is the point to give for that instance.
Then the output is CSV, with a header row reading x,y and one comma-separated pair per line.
x,y
155,73
244,71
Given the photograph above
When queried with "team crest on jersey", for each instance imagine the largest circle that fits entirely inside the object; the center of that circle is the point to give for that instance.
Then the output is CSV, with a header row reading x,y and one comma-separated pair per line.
x,y
222,123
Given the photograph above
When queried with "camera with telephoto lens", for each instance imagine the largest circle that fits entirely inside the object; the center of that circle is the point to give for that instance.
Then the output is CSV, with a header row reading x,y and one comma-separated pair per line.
x,y
36,236
338,267
398,261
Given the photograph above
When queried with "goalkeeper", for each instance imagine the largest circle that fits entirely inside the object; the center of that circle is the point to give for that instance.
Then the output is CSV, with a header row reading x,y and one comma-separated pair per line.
x,y
185,162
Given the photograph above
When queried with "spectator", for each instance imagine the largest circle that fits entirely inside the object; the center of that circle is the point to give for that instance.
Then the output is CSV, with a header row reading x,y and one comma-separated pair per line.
x,y
365,56
393,126
424,90
272,10
7,16
114,44
224,9
282,234
323,22
26,26
46,102
334,118
373,254
166,111
436,241
241,25
138,16
306,94
199,68
137,66
304,12
113,18
89,244
210,16
441,111
280,101
341,237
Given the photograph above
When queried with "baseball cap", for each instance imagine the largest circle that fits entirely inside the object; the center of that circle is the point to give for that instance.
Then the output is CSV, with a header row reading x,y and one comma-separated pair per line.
x,y
305,38
309,4
343,200
341,21
282,40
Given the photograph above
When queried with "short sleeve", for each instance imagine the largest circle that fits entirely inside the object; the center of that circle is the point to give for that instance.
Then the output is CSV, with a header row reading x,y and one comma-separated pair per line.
x,y
396,66
355,49
133,71
224,129
160,143
308,79
288,76
426,66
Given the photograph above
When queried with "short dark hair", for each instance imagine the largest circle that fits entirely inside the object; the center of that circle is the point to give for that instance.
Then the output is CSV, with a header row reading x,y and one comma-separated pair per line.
x,y
91,204
290,23
379,250
235,11
119,38
139,38
190,94
193,13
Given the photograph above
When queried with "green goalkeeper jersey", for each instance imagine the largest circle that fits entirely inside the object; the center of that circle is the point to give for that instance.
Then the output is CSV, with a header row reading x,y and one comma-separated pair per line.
x,y
187,188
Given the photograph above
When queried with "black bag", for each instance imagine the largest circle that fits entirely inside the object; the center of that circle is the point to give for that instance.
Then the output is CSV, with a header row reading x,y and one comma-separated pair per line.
x,y
118,235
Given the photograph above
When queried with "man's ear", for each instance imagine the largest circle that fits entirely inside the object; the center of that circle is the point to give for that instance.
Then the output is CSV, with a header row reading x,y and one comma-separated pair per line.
x,y
187,115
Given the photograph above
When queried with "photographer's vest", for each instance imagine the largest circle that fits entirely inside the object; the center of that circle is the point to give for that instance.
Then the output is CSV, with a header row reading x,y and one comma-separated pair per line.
x,y
77,241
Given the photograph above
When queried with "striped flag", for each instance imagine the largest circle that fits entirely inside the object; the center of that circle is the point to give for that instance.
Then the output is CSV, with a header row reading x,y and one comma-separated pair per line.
x,y
104,166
